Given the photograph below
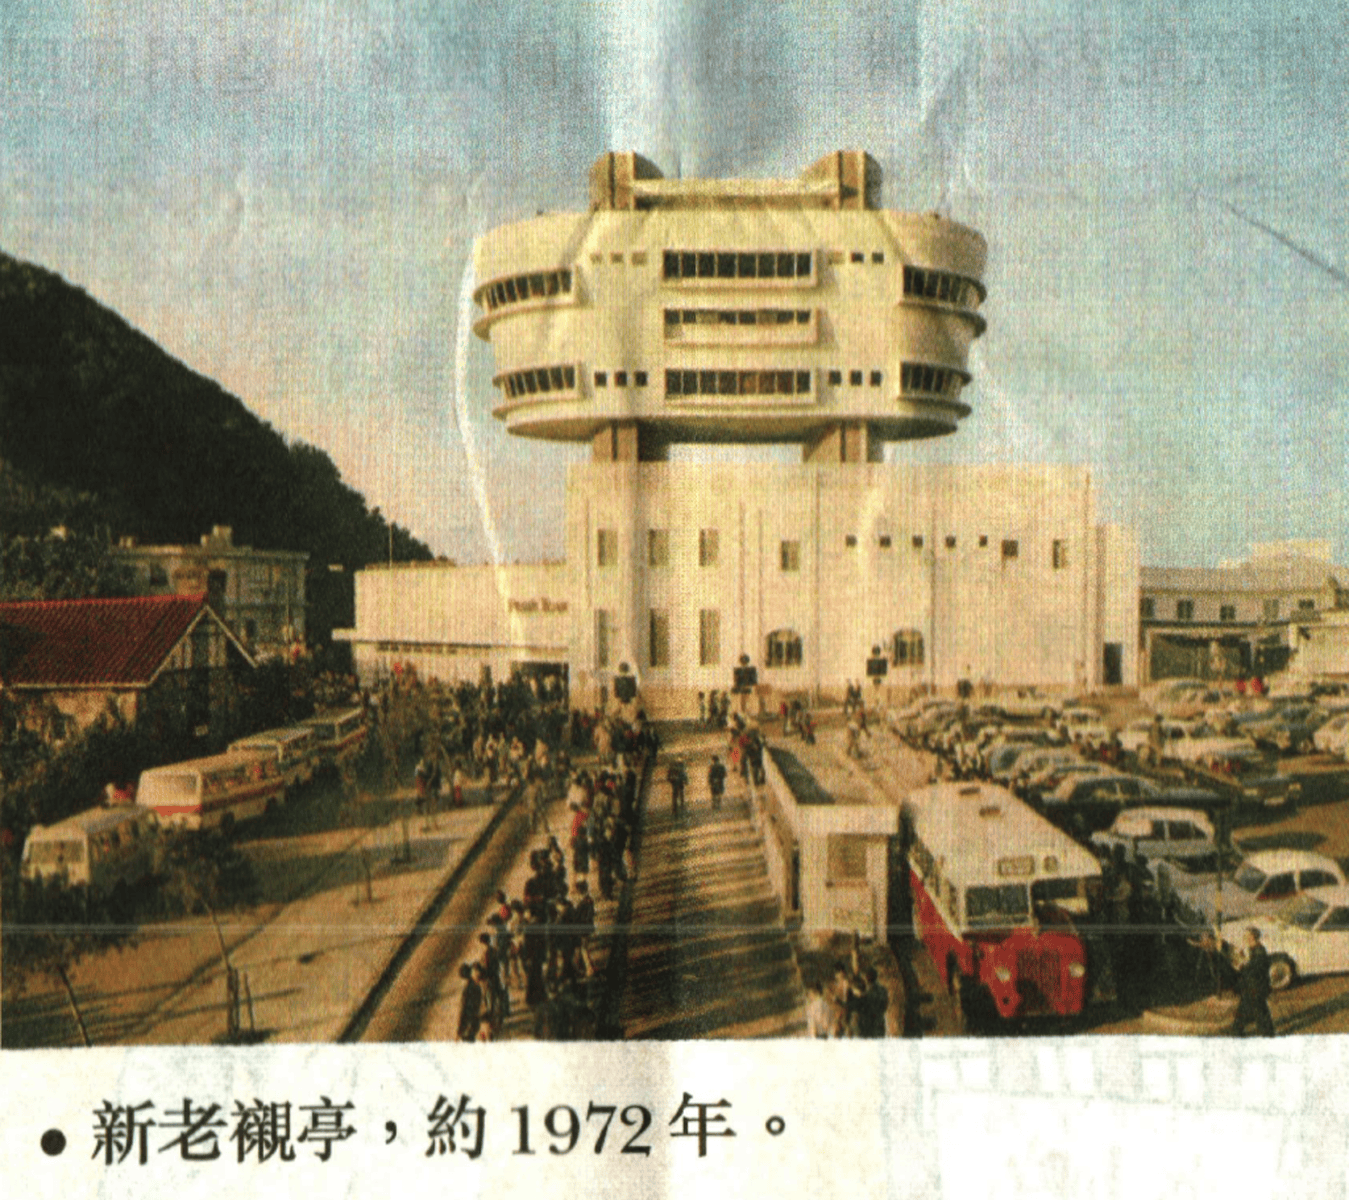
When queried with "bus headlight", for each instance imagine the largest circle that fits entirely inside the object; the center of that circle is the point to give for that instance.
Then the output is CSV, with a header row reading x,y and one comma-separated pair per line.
x,y
1002,974
1077,970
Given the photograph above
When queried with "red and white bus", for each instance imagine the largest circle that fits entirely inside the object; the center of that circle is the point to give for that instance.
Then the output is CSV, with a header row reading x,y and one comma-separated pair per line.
x,y
996,890
204,793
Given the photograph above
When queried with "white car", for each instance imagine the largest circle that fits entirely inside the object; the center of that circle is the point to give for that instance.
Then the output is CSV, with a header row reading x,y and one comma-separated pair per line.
x,y
1307,936
1192,742
1333,736
1084,725
1264,880
1027,702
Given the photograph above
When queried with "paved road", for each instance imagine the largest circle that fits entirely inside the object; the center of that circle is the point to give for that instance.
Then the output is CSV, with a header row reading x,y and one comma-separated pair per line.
x,y
707,953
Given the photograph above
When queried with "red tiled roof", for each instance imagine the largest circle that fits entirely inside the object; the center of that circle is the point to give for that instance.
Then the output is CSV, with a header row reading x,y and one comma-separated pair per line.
x,y
74,642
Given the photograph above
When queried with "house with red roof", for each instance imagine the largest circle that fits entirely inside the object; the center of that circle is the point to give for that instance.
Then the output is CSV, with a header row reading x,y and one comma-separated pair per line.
x,y
166,658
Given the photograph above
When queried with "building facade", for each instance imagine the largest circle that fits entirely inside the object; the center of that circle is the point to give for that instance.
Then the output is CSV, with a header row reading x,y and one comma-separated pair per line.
x,y
1239,619
778,311
260,594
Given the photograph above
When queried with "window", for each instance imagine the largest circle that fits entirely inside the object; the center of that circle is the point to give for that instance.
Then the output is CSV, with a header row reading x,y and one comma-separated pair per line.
x,y
709,637
1278,886
620,379
601,378
884,541
858,256
525,287
638,258
709,547
1147,608
923,377
1184,610
983,539
658,548
1316,877
1337,921
158,576
784,649
737,383
875,379
606,547
1271,610
855,378
906,648
659,648
790,556
922,284
604,636
1010,548
1226,612
1306,605
846,857
835,378
1060,554
950,541
540,379
878,256
737,316
763,264
640,379
917,541
850,540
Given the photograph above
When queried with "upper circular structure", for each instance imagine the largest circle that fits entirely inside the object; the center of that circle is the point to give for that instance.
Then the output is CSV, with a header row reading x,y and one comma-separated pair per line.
x,y
731,310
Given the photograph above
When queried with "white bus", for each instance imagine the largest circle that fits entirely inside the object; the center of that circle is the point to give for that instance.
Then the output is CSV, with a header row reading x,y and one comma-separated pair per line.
x,y
205,793
995,892
296,749
341,734
102,849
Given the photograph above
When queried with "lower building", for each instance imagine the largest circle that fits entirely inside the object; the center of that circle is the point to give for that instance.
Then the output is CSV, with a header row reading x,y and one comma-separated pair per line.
x,y
675,571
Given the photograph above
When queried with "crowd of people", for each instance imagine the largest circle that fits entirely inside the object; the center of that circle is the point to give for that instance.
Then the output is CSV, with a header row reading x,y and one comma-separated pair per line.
x,y
852,1004
536,948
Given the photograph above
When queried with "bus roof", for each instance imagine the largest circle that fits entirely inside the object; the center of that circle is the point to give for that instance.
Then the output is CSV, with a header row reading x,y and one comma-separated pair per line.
x,y
977,824
334,716
291,733
215,762
93,820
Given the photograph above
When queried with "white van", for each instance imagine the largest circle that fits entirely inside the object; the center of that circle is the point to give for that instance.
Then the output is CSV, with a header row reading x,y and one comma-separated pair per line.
x,y
101,849
340,735
204,793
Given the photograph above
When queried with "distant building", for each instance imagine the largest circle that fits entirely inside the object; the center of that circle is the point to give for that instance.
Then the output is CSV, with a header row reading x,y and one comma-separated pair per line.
x,y
792,311
1239,619
260,594
168,659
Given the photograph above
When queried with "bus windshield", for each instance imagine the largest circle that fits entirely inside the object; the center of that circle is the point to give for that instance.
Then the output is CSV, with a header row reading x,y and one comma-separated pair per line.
x,y
998,904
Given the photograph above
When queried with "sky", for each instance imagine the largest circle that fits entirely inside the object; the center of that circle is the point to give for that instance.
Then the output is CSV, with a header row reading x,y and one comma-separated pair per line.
x,y
285,196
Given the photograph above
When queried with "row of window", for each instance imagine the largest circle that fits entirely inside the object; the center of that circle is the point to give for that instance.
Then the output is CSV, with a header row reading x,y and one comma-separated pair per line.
x,y
1269,609
710,264
539,379
922,377
535,286
737,316
924,284
620,379
789,551
737,383
782,647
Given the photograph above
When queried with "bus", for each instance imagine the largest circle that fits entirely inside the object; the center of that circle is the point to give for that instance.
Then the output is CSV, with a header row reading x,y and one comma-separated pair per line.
x,y
295,749
101,849
206,793
996,892
340,735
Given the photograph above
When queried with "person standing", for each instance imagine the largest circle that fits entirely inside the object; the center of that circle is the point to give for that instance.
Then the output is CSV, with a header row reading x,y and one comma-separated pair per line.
x,y
470,1005
678,779
716,780
1253,989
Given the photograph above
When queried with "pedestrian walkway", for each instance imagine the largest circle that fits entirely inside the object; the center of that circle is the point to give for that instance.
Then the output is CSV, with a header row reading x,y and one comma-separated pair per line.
x,y
707,953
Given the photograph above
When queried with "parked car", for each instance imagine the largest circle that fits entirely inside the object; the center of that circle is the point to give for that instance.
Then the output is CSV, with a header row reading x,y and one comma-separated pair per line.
x,y
1155,834
1333,736
1090,802
1197,743
1084,725
1308,935
1263,880
1286,727
1027,702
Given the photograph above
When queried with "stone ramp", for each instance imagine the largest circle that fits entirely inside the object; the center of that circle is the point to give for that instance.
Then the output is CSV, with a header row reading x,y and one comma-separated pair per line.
x,y
707,953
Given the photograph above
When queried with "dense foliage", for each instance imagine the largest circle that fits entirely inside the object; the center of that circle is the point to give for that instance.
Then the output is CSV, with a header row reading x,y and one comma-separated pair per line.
x,y
106,428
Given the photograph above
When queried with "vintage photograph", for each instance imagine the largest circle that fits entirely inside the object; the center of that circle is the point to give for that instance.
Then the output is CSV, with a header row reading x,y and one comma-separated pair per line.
x,y
582,523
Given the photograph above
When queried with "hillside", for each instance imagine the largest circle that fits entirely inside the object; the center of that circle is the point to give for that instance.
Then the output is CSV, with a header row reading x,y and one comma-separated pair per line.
x,y
99,423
